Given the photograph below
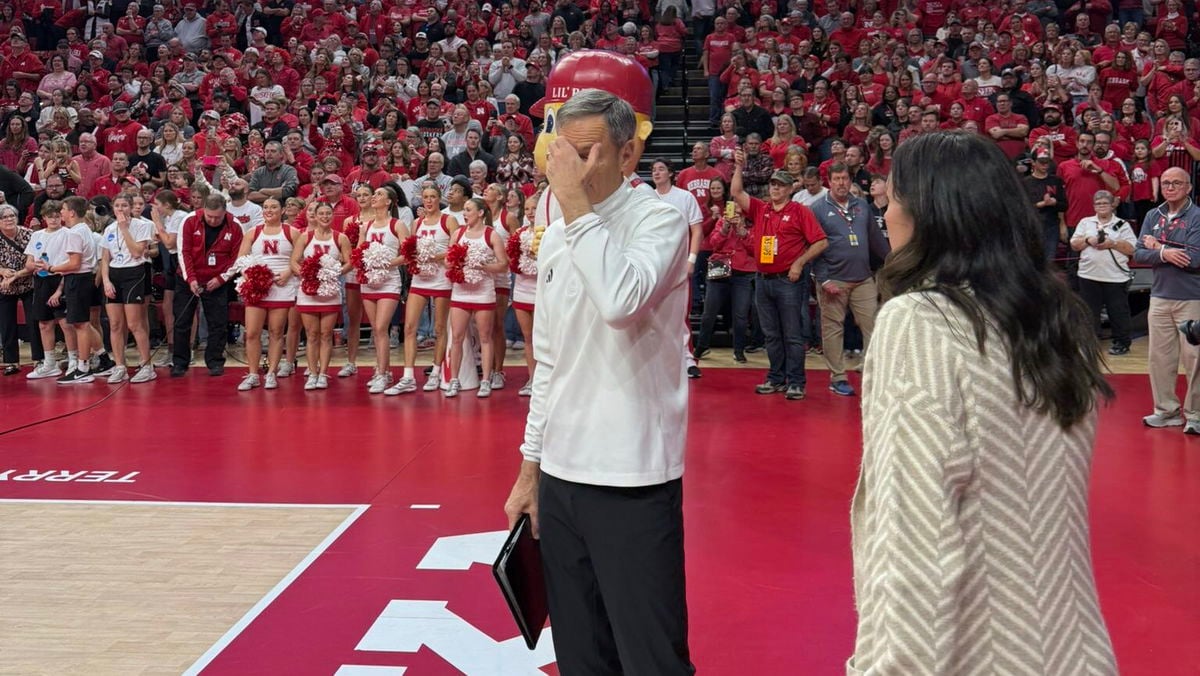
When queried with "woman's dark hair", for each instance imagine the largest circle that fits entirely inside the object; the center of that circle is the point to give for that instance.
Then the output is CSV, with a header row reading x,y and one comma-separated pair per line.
x,y
982,250
398,198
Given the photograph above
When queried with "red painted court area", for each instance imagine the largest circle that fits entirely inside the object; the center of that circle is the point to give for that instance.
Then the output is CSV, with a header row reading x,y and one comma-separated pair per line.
x,y
767,499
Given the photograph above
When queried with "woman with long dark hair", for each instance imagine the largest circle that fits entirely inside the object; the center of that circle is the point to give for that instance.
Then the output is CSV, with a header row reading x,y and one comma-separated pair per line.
x,y
980,396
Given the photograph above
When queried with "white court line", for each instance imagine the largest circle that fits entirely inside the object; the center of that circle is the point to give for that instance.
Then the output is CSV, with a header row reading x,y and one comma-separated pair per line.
x,y
278,589
424,506
159,503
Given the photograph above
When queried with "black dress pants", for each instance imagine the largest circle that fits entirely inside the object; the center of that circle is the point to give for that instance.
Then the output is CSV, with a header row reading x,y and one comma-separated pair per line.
x,y
1115,297
613,559
9,331
215,306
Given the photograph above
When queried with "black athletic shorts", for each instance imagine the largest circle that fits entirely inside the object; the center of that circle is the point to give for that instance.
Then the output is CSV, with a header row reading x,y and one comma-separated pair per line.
x,y
80,295
132,285
43,288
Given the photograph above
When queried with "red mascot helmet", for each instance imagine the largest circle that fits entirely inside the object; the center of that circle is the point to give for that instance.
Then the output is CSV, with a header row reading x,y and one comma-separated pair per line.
x,y
595,69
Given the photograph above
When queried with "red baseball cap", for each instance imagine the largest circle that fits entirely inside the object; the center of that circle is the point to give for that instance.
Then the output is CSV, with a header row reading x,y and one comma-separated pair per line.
x,y
595,69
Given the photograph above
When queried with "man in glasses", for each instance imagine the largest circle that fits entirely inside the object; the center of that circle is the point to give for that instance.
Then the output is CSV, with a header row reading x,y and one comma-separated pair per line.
x,y
1170,243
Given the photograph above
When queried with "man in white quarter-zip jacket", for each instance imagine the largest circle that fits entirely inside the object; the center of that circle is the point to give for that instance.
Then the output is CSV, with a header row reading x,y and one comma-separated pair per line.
x,y
604,441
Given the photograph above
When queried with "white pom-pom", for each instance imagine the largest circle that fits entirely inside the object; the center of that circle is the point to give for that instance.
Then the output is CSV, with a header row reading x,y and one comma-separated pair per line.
x,y
427,250
329,277
527,265
479,254
377,263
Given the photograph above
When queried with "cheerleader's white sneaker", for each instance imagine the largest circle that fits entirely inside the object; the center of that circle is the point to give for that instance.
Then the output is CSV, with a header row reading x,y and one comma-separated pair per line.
x,y
434,382
402,386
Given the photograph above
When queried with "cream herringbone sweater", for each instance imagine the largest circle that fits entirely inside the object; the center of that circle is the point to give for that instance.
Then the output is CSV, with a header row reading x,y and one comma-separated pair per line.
x,y
970,522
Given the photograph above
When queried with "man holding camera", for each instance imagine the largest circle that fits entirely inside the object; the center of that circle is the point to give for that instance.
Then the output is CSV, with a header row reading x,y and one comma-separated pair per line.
x,y
1170,243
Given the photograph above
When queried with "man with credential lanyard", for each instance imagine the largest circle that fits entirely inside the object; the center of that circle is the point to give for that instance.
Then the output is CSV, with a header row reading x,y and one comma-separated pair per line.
x,y
602,475
843,271
1170,243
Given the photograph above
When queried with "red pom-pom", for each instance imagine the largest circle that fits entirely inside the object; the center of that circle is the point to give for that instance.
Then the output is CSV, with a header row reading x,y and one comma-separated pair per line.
x,y
408,249
257,283
351,232
310,267
356,259
456,259
513,249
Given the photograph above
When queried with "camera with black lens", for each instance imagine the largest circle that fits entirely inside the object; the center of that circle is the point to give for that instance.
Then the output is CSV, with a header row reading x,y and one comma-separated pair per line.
x,y
1191,330
1101,236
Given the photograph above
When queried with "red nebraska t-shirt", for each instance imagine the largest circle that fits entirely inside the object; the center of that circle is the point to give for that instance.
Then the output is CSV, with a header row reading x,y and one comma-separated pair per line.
x,y
781,236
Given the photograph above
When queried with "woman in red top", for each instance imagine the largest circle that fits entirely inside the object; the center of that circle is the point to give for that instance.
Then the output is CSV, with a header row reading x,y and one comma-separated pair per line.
x,y
721,147
1118,81
731,244
671,33
859,128
1176,107
784,139
1172,26
880,145
1144,172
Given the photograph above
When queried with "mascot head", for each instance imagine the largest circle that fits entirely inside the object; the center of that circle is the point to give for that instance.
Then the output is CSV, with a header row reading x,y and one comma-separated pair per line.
x,y
594,69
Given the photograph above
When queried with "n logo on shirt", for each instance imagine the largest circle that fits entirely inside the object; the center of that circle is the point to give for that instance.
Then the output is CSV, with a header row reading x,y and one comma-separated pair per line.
x,y
270,247
321,249
375,237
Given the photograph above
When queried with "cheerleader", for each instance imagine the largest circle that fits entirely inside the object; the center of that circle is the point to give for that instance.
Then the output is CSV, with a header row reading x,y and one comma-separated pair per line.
x,y
125,273
476,299
273,242
496,203
320,313
523,293
431,285
354,302
383,226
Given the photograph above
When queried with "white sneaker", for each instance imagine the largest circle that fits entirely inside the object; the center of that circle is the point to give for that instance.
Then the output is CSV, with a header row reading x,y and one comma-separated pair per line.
x,y
270,382
144,374
452,389
118,375
1159,420
434,382
163,361
379,383
485,389
497,380
526,390
44,371
310,383
402,386
248,383
348,370
518,345
322,382
286,368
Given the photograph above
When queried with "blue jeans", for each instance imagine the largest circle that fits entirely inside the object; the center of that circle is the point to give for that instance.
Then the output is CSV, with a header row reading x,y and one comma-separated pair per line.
x,y
721,292
699,282
668,68
780,305
716,100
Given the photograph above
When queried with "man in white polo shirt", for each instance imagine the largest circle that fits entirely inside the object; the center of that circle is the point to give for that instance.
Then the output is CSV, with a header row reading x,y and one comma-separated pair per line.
x,y
604,441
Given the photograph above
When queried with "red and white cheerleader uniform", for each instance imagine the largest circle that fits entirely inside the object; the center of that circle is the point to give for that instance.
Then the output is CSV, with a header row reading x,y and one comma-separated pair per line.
x,y
383,233
524,289
503,279
482,294
276,251
319,305
435,284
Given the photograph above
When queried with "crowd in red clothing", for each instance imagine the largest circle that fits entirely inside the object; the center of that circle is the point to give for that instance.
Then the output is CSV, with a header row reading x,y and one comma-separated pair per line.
x,y
849,81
